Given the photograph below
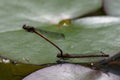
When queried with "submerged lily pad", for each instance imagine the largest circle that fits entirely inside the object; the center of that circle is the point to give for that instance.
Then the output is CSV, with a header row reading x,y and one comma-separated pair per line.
x,y
82,37
15,71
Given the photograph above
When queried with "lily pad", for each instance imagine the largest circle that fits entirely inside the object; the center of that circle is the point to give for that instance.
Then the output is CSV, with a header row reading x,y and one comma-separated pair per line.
x,y
82,37
15,13
112,7
10,71
70,72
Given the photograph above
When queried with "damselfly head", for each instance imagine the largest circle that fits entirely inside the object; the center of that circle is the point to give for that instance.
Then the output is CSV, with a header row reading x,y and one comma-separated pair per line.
x,y
28,28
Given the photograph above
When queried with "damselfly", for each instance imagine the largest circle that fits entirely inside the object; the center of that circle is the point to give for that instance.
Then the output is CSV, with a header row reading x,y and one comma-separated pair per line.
x,y
61,54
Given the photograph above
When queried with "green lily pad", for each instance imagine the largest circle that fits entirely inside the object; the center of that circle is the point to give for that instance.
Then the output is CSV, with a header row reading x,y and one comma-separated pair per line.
x,y
15,13
112,7
82,37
